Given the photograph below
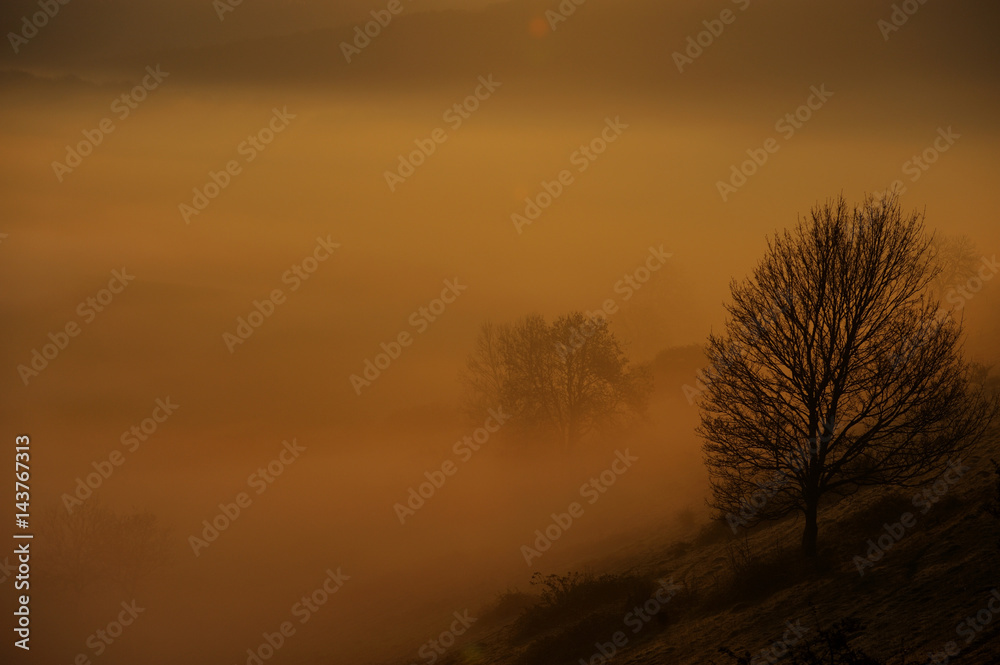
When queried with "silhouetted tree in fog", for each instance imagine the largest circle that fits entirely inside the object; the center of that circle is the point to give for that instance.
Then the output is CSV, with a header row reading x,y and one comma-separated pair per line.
x,y
836,369
958,260
95,546
564,379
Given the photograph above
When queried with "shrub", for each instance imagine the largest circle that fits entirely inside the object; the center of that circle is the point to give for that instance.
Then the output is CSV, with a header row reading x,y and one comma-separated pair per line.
x,y
830,646
573,642
507,605
716,531
565,598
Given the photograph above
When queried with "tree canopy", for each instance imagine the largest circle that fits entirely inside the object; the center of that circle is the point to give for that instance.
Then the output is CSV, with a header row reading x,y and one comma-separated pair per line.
x,y
836,370
565,380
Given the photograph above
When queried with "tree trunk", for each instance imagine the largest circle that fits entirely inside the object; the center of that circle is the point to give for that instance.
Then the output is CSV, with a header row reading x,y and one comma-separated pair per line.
x,y
811,531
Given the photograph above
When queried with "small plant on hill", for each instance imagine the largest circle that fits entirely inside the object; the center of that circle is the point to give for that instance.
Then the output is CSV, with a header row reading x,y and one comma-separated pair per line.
x,y
567,598
830,646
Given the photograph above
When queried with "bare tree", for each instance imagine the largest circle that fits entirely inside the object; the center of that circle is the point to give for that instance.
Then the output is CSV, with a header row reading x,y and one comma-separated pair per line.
x,y
836,370
141,549
564,380
74,545
957,258
95,546
486,372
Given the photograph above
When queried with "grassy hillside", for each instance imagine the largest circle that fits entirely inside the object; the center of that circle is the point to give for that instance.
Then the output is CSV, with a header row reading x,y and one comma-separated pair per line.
x,y
706,589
